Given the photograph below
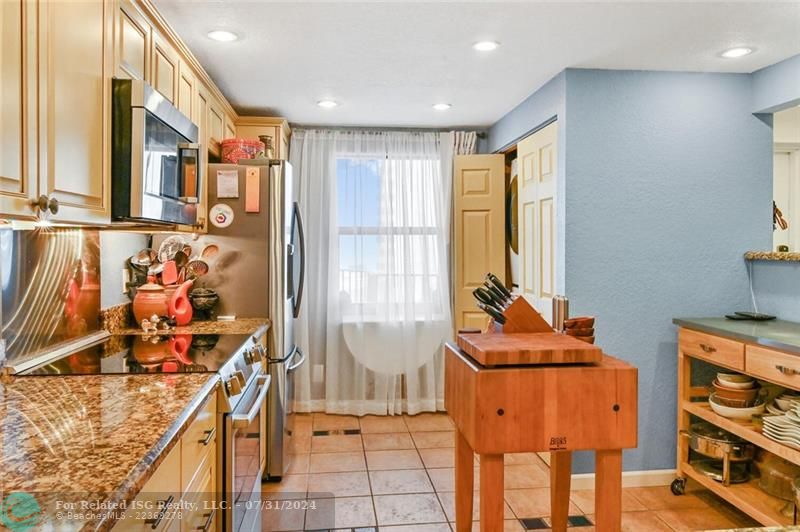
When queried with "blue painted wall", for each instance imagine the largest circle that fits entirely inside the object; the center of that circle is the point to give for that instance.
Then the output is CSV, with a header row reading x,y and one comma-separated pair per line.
x,y
777,87
667,182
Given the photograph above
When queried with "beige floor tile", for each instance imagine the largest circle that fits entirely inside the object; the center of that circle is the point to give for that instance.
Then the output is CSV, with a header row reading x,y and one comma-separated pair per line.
x,y
448,503
532,502
445,479
282,519
408,509
438,457
382,424
435,527
584,500
349,512
336,443
522,459
429,422
334,422
434,440
301,443
661,498
386,442
384,460
640,522
352,484
303,423
337,462
290,487
407,481
298,464
686,519
509,525
525,476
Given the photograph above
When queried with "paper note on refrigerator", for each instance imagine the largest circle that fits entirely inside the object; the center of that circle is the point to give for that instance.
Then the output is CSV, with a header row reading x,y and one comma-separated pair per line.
x,y
227,184
252,190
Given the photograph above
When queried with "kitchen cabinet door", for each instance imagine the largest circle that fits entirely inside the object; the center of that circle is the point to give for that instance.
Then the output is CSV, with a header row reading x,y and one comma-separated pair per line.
x,y
186,90
479,244
230,127
216,123
74,108
132,34
538,171
17,108
166,65
200,118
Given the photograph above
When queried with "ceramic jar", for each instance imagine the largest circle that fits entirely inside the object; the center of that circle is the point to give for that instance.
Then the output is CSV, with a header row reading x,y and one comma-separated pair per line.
x,y
150,299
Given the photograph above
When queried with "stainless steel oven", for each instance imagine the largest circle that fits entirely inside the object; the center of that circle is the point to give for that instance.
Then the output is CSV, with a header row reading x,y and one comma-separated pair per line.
x,y
244,457
155,159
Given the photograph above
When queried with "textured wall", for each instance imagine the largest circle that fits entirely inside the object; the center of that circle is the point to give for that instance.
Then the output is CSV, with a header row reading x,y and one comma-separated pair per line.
x,y
668,183
115,248
777,86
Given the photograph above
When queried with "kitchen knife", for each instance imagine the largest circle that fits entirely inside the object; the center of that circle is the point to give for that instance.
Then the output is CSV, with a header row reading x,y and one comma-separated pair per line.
x,y
491,311
497,295
483,296
499,284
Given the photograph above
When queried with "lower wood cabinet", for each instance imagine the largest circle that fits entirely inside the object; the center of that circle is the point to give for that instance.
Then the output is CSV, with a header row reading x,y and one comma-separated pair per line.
x,y
189,476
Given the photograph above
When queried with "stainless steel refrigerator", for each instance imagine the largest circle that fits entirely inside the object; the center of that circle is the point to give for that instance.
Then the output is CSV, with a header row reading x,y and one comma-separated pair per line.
x,y
259,272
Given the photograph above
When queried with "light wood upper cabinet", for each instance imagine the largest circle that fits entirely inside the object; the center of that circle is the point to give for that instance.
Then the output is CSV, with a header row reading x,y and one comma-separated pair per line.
x,y
132,36
17,108
166,68
230,127
74,108
216,121
251,127
186,90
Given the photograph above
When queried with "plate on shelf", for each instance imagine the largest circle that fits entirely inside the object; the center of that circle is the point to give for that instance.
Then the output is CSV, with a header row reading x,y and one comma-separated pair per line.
x,y
736,413
774,408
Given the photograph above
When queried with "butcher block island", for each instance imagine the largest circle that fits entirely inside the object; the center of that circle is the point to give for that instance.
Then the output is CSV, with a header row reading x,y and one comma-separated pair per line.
x,y
538,392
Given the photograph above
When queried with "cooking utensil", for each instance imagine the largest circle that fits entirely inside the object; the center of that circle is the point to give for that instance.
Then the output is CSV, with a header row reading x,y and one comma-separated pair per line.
x,y
209,251
714,469
499,285
498,297
484,297
169,247
196,268
170,273
144,257
491,311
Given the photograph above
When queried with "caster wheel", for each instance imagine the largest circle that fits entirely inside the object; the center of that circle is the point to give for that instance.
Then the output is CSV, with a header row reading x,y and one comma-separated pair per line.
x,y
678,486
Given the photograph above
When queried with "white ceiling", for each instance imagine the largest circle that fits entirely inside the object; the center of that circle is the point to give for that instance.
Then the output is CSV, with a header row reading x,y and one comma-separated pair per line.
x,y
387,62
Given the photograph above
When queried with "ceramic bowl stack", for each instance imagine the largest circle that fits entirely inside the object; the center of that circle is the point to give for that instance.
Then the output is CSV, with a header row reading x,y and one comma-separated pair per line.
x,y
736,396
784,428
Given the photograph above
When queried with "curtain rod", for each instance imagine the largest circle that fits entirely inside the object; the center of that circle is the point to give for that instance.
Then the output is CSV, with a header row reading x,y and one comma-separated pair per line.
x,y
479,133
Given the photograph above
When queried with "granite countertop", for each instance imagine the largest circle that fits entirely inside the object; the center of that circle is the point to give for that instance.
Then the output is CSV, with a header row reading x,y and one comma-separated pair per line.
x,y
780,334
237,326
91,438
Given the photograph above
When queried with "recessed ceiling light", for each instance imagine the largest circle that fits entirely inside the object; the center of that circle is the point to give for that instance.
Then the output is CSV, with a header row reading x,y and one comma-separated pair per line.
x,y
328,104
222,36
442,106
486,46
733,53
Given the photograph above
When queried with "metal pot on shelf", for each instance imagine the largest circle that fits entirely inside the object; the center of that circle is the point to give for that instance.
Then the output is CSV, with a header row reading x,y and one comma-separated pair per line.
x,y
713,442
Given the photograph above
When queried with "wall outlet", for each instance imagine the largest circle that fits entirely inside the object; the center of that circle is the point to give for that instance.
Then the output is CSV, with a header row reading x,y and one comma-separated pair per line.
x,y
319,373
126,278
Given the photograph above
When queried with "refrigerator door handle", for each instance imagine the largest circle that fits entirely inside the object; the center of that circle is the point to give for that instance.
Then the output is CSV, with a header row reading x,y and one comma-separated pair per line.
x,y
302,244
299,362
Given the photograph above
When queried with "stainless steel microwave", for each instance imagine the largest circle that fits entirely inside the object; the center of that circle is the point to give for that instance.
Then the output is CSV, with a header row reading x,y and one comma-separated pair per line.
x,y
155,160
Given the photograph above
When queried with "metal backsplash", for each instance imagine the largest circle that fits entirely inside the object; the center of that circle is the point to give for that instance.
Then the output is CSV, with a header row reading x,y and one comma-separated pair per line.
x,y
50,281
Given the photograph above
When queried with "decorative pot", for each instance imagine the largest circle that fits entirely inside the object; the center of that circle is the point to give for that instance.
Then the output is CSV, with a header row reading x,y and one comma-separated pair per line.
x,y
179,305
150,300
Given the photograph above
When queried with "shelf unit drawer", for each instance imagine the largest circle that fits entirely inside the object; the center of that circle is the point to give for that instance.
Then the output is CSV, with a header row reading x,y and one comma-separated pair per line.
x,y
775,366
719,351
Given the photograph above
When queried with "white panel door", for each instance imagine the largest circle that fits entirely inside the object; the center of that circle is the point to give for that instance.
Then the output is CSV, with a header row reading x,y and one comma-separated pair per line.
x,y
537,157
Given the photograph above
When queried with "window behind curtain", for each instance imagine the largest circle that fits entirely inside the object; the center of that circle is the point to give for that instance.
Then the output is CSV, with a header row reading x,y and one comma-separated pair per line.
x,y
389,245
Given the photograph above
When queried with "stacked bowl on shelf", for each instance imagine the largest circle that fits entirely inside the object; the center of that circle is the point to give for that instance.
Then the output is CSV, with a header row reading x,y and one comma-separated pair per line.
x,y
736,396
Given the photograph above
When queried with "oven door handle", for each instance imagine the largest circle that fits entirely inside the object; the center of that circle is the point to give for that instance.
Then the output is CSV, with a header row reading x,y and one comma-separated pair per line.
x,y
240,421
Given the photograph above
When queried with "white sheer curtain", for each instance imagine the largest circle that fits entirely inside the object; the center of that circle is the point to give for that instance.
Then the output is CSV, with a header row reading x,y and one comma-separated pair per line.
x,y
377,210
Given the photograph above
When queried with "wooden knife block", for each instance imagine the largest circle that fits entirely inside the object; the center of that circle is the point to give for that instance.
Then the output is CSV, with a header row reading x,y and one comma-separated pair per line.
x,y
521,317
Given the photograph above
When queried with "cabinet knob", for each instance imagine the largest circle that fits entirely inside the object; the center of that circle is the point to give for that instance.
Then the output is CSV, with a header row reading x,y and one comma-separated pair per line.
x,y
52,205
46,204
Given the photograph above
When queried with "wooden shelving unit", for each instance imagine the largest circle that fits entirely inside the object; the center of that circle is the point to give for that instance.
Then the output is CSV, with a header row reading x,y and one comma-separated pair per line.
x,y
693,403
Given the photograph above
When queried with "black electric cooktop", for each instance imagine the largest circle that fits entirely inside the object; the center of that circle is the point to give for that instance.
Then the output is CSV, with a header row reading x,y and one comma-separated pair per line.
x,y
158,353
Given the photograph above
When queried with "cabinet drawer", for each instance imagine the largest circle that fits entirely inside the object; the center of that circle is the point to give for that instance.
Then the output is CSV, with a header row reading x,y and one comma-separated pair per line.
x,y
198,440
164,483
728,353
776,366
202,515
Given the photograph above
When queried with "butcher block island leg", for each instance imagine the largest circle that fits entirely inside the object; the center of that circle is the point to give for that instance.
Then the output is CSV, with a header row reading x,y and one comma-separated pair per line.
x,y
558,408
